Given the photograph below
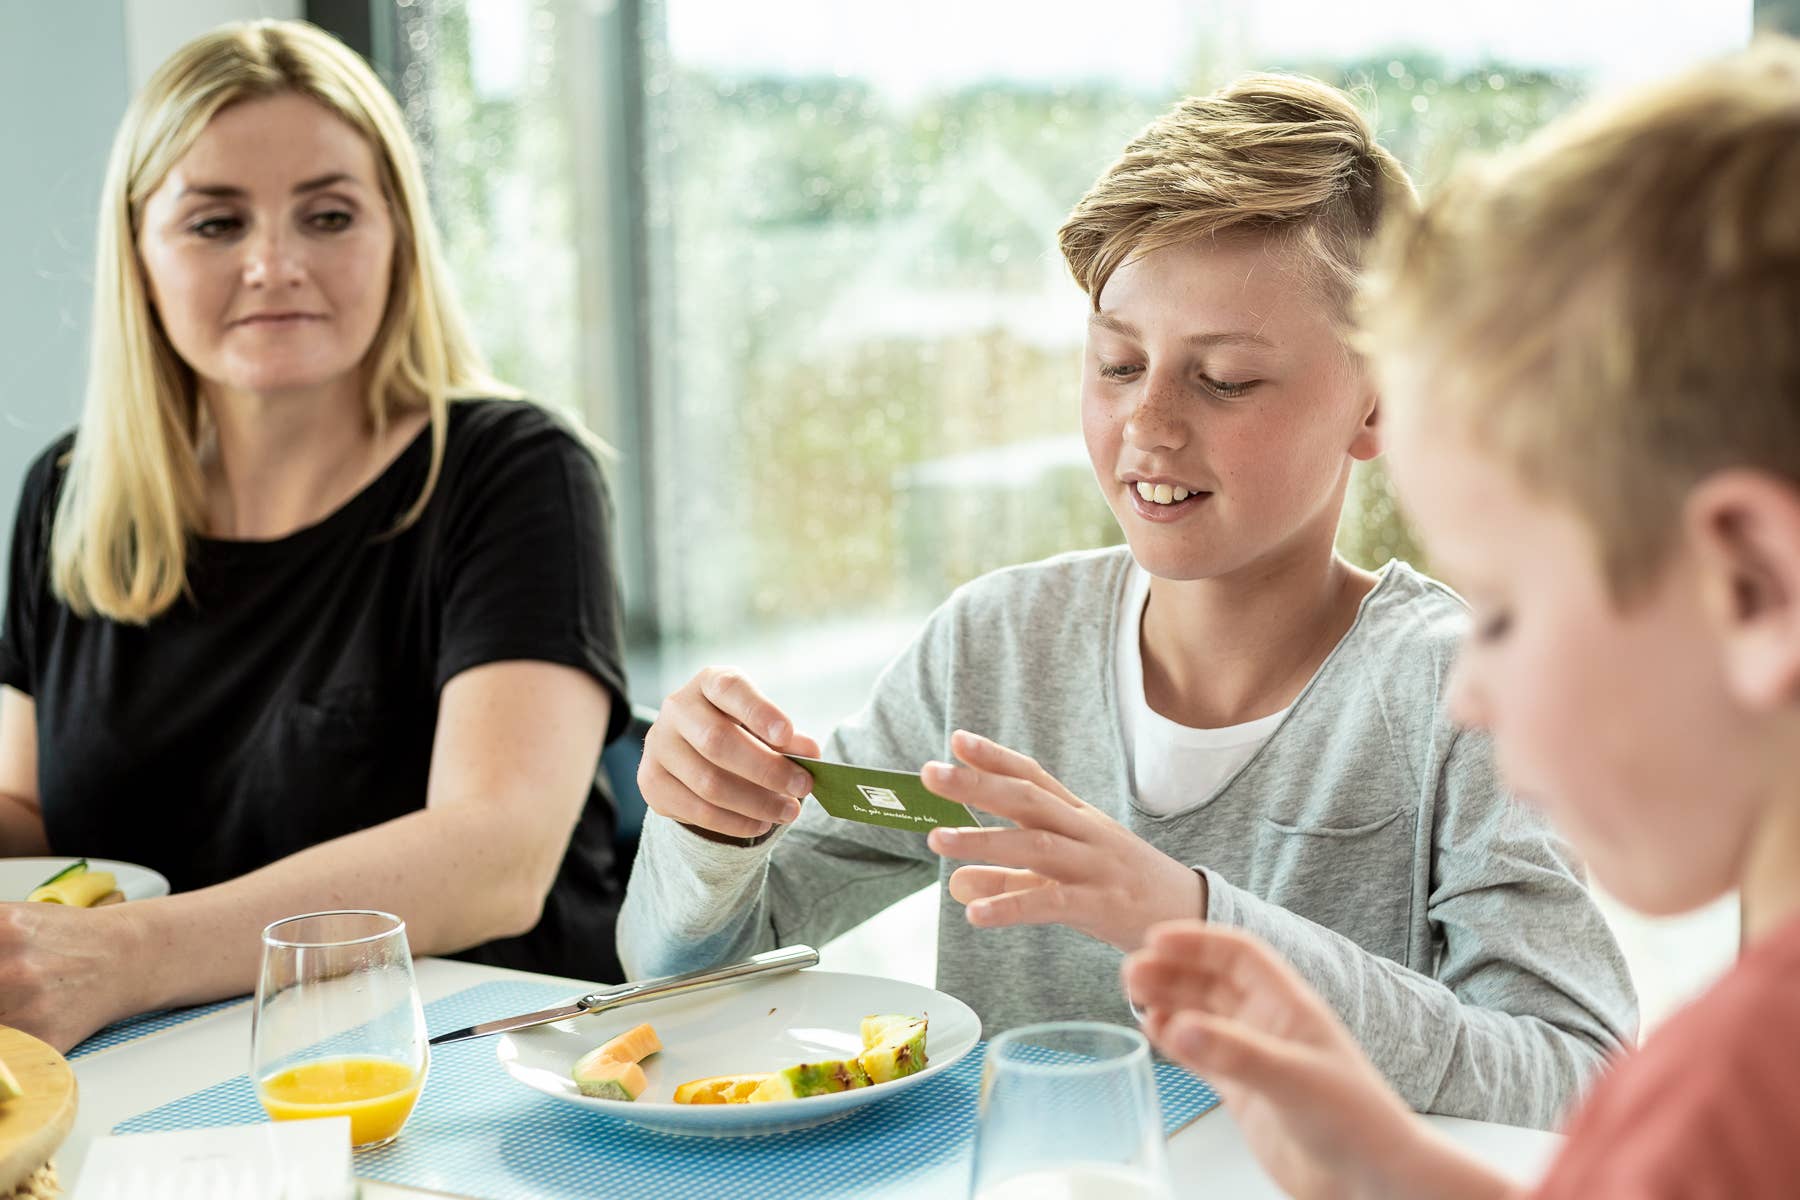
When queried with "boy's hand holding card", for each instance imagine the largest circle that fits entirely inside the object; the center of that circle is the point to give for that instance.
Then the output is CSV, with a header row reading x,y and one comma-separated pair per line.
x,y
895,799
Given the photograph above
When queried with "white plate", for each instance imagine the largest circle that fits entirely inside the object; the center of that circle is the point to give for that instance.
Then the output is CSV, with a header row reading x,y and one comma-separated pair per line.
x,y
19,877
762,1025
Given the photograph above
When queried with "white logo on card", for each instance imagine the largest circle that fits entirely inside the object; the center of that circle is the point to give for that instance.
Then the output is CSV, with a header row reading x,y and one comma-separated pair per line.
x,y
881,797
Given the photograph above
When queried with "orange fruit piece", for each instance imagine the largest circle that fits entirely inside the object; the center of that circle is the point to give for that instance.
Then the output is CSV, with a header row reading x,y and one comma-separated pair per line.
x,y
719,1089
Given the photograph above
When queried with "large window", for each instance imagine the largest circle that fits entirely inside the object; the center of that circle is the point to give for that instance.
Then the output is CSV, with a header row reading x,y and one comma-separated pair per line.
x,y
796,258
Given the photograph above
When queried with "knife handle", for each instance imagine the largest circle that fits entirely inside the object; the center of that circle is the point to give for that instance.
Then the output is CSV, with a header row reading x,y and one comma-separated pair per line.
x,y
772,962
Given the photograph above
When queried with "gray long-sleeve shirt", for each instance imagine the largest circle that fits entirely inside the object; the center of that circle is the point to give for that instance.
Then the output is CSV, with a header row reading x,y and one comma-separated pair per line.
x,y
1368,841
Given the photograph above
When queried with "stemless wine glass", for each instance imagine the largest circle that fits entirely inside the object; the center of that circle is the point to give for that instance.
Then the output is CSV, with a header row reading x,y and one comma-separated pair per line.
x,y
338,1029
1069,1112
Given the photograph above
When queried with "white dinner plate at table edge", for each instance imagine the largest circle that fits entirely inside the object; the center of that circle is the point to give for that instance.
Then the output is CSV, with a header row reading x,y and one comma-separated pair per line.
x,y
759,1026
20,876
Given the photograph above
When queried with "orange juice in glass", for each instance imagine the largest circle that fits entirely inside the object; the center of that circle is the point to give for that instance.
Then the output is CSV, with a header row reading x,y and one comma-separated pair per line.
x,y
338,1029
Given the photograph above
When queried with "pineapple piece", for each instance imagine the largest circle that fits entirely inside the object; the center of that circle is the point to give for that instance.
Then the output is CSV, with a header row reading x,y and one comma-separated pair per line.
x,y
895,1047
9,1084
810,1079
874,1029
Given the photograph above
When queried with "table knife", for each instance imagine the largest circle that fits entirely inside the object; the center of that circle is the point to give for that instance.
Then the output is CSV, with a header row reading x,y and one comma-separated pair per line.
x,y
773,962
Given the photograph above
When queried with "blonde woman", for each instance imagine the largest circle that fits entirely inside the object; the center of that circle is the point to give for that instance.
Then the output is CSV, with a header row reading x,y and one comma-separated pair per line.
x,y
294,616
1229,722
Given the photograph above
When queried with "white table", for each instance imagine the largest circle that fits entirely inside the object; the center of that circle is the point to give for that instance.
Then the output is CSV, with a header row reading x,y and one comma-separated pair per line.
x,y
1208,1157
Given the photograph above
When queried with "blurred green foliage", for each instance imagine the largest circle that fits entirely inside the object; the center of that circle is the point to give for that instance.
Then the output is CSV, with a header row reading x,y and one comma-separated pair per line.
x,y
859,296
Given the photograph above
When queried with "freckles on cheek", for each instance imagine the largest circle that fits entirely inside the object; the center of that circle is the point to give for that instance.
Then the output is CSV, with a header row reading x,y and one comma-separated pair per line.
x,y
1269,465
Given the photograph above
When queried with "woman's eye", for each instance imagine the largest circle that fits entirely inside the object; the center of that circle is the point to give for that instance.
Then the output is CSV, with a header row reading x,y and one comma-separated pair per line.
x,y
214,227
1228,390
1118,370
330,222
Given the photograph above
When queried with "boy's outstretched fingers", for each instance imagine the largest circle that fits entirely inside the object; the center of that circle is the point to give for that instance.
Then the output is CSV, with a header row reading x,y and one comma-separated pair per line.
x,y
969,884
985,754
1059,861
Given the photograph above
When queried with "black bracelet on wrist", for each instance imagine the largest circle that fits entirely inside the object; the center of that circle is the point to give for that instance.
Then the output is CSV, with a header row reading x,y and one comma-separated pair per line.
x,y
727,839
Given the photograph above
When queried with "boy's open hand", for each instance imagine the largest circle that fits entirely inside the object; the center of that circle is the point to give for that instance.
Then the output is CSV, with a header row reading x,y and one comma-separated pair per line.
x,y
1315,1111
1067,863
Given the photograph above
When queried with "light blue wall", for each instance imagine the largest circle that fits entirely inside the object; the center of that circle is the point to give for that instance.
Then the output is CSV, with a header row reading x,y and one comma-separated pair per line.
x,y
64,79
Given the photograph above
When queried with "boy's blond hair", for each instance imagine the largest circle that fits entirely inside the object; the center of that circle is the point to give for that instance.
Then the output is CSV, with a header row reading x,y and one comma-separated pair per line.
x,y
1613,310
1281,155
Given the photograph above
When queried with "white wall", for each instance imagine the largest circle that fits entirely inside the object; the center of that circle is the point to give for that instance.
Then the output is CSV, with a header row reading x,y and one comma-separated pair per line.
x,y
62,88
154,29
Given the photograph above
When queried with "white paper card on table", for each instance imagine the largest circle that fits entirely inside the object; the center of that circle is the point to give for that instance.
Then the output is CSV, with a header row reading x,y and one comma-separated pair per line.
x,y
285,1160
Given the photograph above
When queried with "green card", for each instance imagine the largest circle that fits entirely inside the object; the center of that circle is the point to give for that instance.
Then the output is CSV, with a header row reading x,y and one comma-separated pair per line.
x,y
896,799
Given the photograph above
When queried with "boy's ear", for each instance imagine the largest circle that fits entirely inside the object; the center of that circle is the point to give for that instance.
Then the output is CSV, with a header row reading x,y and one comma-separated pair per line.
x,y
1745,527
1367,442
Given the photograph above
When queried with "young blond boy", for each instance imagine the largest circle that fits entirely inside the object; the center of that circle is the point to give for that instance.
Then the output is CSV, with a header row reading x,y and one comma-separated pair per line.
x,y
1591,355
1224,718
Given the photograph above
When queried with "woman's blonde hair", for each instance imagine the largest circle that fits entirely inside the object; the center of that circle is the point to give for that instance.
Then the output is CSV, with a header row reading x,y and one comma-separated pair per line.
x,y
1612,311
1281,155
133,496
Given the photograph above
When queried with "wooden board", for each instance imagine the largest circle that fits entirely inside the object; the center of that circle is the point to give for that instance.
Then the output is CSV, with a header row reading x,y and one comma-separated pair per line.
x,y
32,1126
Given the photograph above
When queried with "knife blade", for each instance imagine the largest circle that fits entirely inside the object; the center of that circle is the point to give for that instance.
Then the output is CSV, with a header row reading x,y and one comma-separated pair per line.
x,y
772,962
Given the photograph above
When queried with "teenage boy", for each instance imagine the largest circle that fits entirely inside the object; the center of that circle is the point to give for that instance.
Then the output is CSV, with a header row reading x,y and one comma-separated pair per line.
x,y
1228,719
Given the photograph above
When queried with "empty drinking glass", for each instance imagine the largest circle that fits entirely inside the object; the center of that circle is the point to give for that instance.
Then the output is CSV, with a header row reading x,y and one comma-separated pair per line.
x,y
1069,1112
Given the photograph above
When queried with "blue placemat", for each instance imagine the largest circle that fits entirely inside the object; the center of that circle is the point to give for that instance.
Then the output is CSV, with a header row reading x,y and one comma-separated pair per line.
x,y
145,1024
479,1133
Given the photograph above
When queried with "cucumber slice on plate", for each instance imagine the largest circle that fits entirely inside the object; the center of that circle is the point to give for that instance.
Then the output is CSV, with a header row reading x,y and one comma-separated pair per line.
x,y
75,868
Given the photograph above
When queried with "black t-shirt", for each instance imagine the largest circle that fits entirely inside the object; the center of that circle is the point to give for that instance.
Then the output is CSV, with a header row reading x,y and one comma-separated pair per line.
x,y
292,696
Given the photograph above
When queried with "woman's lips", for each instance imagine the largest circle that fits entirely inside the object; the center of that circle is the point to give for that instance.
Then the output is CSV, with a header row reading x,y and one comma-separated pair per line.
x,y
274,320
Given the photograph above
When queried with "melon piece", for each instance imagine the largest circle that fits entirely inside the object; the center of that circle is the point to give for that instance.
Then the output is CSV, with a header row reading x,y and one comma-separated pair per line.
x,y
719,1089
609,1079
897,1048
810,1079
634,1045
9,1084
610,1070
